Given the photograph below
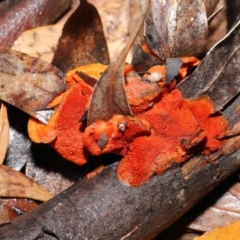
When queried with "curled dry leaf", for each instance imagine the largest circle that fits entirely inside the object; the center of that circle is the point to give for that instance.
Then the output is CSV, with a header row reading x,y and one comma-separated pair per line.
x,y
82,41
4,132
109,96
176,28
27,82
16,184
219,72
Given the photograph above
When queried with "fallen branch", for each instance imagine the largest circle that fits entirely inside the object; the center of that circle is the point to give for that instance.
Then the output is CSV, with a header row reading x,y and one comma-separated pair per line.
x,y
102,208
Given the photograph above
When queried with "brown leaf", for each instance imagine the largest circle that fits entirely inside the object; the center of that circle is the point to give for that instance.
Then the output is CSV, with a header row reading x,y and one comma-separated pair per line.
x,y
27,82
152,38
4,218
82,41
16,184
18,206
39,42
218,72
4,132
142,61
210,5
180,28
229,232
134,14
223,212
109,96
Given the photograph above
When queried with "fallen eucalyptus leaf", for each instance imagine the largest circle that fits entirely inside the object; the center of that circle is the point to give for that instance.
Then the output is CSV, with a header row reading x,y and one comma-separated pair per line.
x,y
39,42
219,72
221,213
142,61
109,96
16,184
214,15
28,83
134,14
82,41
4,132
179,26
210,5
228,232
152,38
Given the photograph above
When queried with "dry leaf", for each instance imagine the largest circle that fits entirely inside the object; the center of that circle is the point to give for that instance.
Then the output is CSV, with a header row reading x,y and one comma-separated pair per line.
x,y
219,72
231,231
109,96
4,132
82,41
210,5
142,61
39,42
223,212
16,184
27,82
134,14
18,206
4,218
176,28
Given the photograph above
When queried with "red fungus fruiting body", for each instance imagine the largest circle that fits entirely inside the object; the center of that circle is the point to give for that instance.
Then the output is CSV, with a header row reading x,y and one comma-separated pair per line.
x,y
178,126
114,135
68,126
214,124
165,130
141,94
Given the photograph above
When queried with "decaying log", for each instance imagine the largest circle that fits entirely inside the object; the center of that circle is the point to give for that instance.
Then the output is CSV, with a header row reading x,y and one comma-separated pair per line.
x,y
22,15
102,208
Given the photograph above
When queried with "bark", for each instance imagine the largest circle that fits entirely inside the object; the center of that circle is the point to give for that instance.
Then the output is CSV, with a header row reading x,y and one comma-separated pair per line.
x,y
102,208
23,15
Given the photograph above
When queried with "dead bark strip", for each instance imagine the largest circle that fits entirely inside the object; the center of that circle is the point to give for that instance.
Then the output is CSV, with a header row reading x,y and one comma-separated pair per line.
x,y
23,15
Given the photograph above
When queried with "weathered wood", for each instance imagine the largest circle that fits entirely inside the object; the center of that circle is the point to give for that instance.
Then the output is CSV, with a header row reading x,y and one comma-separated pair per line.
x,y
103,208
22,15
